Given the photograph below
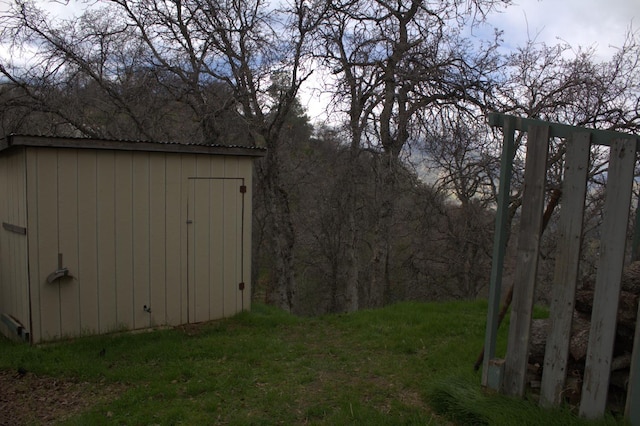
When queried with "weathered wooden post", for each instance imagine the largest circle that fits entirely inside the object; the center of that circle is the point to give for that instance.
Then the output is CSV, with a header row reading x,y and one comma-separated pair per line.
x,y
509,375
515,368
491,374
566,269
622,159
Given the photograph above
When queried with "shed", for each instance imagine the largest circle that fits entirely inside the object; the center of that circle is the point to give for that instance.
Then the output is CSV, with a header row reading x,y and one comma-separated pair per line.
x,y
104,235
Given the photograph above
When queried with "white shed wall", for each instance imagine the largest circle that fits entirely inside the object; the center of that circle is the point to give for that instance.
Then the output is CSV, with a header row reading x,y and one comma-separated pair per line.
x,y
119,219
14,294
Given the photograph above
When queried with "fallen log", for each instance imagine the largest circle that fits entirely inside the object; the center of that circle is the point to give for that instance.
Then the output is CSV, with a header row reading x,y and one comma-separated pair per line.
x,y
627,306
578,344
580,328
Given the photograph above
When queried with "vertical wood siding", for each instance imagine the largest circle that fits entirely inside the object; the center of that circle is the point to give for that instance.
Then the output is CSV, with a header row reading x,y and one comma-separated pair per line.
x,y
67,241
245,168
216,239
157,240
188,169
14,296
106,241
124,239
175,308
88,256
233,229
33,258
140,233
217,245
44,241
119,219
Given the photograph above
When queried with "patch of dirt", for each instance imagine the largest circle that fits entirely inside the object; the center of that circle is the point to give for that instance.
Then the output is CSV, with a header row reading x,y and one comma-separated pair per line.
x,y
191,329
29,399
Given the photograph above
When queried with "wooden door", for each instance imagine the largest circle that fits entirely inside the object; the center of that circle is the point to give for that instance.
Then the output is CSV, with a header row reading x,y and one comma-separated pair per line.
x,y
215,242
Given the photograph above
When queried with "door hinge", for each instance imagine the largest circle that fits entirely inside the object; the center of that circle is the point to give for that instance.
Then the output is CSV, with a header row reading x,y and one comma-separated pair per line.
x,y
243,189
241,286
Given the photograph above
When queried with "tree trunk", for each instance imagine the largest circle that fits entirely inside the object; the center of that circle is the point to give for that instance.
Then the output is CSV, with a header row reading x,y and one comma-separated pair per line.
x,y
351,290
281,232
351,294
380,285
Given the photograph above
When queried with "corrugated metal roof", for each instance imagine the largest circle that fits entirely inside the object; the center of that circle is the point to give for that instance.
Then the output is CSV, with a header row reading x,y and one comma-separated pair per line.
x,y
127,145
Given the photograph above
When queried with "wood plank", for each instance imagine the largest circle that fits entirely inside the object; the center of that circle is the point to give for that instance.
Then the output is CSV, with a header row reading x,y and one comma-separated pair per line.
x,y
200,277
607,288
124,239
7,301
47,242
106,241
201,257
527,261
499,247
12,287
566,268
7,262
635,242
14,228
188,171
19,244
12,284
68,241
216,238
218,249
141,239
158,239
245,207
557,130
191,250
33,259
88,241
232,237
175,252
17,215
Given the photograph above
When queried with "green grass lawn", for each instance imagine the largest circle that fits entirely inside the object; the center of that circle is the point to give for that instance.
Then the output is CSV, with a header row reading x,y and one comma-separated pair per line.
x,y
410,363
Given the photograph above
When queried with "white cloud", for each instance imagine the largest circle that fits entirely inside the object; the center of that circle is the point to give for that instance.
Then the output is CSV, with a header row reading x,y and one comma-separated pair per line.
x,y
601,24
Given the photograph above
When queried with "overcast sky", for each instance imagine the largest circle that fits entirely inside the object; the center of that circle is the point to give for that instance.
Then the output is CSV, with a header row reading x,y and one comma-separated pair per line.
x,y
579,22
586,23
599,23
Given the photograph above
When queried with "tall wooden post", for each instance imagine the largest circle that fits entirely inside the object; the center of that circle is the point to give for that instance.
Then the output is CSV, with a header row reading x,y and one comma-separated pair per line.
x,y
565,275
515,367
607,289
499,247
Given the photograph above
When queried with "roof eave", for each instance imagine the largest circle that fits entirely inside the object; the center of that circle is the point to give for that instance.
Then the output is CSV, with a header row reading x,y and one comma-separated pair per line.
x,y
124,145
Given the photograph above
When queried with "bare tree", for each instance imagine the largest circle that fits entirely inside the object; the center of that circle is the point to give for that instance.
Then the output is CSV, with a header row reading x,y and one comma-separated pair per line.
x,y
394,64
464,161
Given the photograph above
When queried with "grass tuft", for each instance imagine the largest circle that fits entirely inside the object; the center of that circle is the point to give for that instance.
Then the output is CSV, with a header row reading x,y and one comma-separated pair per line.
x,y
464,402
458,400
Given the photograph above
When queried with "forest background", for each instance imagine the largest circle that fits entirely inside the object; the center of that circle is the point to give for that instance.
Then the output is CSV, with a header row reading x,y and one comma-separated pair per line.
x,y
392,196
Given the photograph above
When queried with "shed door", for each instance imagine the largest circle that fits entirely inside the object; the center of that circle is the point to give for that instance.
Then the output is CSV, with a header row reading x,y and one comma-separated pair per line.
x,y
215,236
